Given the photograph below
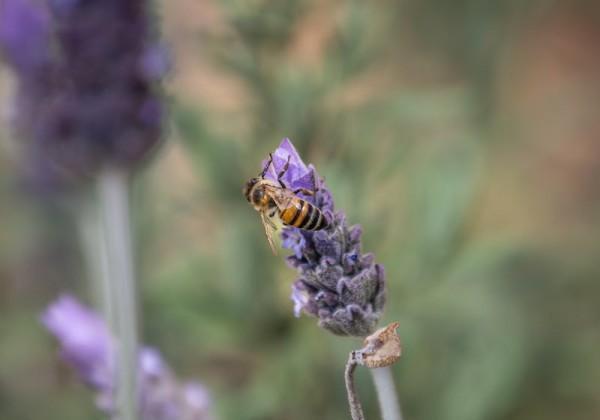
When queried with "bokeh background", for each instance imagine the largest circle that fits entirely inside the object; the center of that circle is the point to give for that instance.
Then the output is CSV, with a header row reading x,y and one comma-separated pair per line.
x,y
461,134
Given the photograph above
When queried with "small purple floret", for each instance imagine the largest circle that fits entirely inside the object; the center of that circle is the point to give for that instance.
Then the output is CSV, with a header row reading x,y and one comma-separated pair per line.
x,y
197,402
338,284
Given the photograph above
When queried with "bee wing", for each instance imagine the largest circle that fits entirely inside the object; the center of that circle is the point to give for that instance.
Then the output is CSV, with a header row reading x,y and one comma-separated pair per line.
x,y
269,229
281,196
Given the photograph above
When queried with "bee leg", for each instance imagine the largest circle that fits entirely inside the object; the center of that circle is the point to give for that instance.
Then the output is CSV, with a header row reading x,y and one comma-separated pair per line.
x,y
283,171
304,191
266,168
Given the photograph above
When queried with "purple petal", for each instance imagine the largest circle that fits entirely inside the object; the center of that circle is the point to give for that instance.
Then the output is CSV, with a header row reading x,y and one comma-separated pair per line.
x,y
197,398
298,175
294,240
155,62
300,299
152,364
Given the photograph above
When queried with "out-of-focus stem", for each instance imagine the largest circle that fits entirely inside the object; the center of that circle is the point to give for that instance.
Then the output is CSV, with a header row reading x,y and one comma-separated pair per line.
x,y
91,234
113,192
356,410
386,393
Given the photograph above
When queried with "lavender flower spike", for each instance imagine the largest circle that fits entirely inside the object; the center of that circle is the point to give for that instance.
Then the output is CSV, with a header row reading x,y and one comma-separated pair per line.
x,y
88,347
338,284
88,74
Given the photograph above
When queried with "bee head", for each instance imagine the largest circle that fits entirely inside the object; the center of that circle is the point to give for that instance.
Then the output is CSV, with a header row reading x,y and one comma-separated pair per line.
x,y
248,187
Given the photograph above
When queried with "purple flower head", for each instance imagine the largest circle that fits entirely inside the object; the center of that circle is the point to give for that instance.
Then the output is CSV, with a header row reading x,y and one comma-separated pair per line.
x,y
88,347
338,284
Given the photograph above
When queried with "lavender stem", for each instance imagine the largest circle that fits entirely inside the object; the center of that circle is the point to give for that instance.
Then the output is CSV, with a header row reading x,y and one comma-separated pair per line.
x,y
91,234
353,401
114,203
386,393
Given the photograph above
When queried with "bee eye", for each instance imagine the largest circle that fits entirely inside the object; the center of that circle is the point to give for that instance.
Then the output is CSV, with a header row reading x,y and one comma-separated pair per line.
x,y
257,195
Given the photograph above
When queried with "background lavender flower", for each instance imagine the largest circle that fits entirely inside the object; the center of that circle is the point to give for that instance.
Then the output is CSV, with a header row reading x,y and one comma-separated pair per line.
x,y
338,284
87,73
86,343
88,347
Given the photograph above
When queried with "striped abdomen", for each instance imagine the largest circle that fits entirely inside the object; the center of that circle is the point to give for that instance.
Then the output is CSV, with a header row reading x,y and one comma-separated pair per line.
x,y
303,215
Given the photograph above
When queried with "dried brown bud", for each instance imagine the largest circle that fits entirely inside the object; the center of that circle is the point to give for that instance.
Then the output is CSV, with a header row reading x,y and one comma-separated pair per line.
x,y
382,348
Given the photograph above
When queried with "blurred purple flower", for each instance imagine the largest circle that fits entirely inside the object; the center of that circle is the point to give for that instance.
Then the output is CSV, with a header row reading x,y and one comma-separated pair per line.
x,y
163,397
88,74
24,35
86,342
88,347
197,402
338,284
155,62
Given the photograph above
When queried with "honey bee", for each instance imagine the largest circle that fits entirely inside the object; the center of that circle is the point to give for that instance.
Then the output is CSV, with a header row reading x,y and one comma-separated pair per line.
x,y
274,200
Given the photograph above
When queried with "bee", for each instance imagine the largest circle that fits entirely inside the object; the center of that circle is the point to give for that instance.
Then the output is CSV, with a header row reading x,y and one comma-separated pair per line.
x,y
274,200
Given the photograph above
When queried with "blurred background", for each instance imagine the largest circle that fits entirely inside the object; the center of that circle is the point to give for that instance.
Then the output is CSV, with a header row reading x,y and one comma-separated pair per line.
x,y
462,135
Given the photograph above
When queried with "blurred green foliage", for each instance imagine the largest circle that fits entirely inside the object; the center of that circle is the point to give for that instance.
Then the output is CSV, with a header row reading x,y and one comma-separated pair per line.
x,y
404,113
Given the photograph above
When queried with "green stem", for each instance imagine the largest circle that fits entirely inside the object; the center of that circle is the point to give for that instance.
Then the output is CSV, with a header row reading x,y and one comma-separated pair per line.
x,y
386,393
91,234
113,193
